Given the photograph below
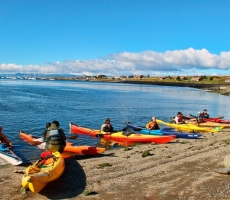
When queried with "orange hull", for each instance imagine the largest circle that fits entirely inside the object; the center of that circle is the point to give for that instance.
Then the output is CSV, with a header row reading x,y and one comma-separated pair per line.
x,y
84,150
74,128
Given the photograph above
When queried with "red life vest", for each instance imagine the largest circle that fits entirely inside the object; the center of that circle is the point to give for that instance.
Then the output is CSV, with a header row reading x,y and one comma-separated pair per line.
x,y
46,155
180,119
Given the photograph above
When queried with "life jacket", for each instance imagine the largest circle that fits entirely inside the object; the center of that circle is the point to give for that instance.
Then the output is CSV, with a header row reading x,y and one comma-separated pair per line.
x,y
46,155
55,137
205,115
108,128
153,126
180,119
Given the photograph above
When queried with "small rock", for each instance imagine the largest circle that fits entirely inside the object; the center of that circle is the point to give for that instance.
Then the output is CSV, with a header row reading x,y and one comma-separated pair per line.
x,y
89,192
145,153
224,171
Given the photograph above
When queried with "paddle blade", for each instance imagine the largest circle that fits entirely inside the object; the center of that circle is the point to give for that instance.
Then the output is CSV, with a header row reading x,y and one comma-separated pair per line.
x,y
35,143
73,136
220,117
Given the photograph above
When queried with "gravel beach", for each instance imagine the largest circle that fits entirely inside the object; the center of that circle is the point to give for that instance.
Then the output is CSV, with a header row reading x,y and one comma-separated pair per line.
x,y
181,169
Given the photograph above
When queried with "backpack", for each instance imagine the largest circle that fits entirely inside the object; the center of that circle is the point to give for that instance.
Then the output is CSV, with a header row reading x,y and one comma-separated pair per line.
x,y
54,137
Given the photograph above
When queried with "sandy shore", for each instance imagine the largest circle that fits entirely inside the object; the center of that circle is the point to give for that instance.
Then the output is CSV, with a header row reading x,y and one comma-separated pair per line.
x,y
182,169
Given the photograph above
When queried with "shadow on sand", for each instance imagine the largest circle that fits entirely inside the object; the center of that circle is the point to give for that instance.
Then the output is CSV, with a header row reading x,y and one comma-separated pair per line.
x,y
69,185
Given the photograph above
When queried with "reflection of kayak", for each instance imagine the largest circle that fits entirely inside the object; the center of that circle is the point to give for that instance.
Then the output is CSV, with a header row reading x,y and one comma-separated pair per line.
x,y
140,138
38,175
74,128
8,155
190,127
85,150
143,130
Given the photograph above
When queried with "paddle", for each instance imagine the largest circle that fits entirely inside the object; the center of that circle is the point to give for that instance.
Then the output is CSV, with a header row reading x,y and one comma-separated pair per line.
x,y
9,148
35,143
219,117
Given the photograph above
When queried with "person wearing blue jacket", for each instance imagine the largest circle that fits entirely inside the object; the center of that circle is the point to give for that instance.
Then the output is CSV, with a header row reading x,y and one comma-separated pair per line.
x,y
204,114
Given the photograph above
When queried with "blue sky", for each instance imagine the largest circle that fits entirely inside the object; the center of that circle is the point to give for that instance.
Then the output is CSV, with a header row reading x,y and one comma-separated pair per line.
x,y
115,37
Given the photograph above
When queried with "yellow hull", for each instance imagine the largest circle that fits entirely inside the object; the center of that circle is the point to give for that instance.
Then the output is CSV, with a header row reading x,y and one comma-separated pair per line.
x,y
190,127
37,177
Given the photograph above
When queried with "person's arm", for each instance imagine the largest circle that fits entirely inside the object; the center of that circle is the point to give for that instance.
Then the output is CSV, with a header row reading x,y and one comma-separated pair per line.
x,y
63,135
44,135
6,140
147,125
103,127
111,128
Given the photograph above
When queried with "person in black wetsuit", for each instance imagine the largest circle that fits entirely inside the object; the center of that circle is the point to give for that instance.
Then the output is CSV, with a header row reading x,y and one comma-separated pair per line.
x,y
55,138
107,126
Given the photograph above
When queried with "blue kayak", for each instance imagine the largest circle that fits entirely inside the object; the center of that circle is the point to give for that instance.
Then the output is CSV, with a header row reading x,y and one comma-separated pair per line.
x,y
166,131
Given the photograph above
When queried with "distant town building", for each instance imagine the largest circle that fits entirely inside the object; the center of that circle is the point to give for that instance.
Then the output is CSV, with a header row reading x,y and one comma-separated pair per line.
x,y
195,79
137,76
227,80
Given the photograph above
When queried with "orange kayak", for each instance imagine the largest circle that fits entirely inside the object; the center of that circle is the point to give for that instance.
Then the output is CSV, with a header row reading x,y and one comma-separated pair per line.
x,y
84,150
118,136
74,128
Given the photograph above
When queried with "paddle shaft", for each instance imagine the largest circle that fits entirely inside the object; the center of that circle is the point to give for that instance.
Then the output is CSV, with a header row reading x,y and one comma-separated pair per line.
x,y
13,153
35,143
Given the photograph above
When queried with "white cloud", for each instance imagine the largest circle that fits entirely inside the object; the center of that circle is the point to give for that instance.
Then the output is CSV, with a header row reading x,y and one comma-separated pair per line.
x,y
148,62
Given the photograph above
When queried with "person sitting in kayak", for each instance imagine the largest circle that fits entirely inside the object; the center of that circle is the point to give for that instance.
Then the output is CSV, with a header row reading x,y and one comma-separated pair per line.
x,y
48,124
204,114
55,138
179,118
107,126
199,118
4,139
152,125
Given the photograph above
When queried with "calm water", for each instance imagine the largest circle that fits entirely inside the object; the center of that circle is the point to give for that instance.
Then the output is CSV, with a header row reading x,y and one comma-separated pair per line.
x,y
27,105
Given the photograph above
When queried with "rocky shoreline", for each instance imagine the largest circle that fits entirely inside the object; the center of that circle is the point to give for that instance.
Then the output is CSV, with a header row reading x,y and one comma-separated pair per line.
x,y
223,89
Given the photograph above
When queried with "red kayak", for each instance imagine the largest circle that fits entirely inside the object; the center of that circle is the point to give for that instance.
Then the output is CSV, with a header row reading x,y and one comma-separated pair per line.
x,y
84,150
226,121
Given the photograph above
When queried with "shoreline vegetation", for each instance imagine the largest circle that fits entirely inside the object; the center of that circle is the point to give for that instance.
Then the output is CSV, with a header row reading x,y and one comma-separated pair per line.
x,y
215,84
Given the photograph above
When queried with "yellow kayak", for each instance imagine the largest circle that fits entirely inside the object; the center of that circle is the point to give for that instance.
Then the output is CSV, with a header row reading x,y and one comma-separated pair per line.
x,y
38,175
190,127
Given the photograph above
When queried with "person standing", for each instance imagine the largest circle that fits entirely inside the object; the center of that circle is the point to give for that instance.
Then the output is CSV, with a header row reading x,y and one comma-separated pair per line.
x,y
4,139
55,138
48,124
